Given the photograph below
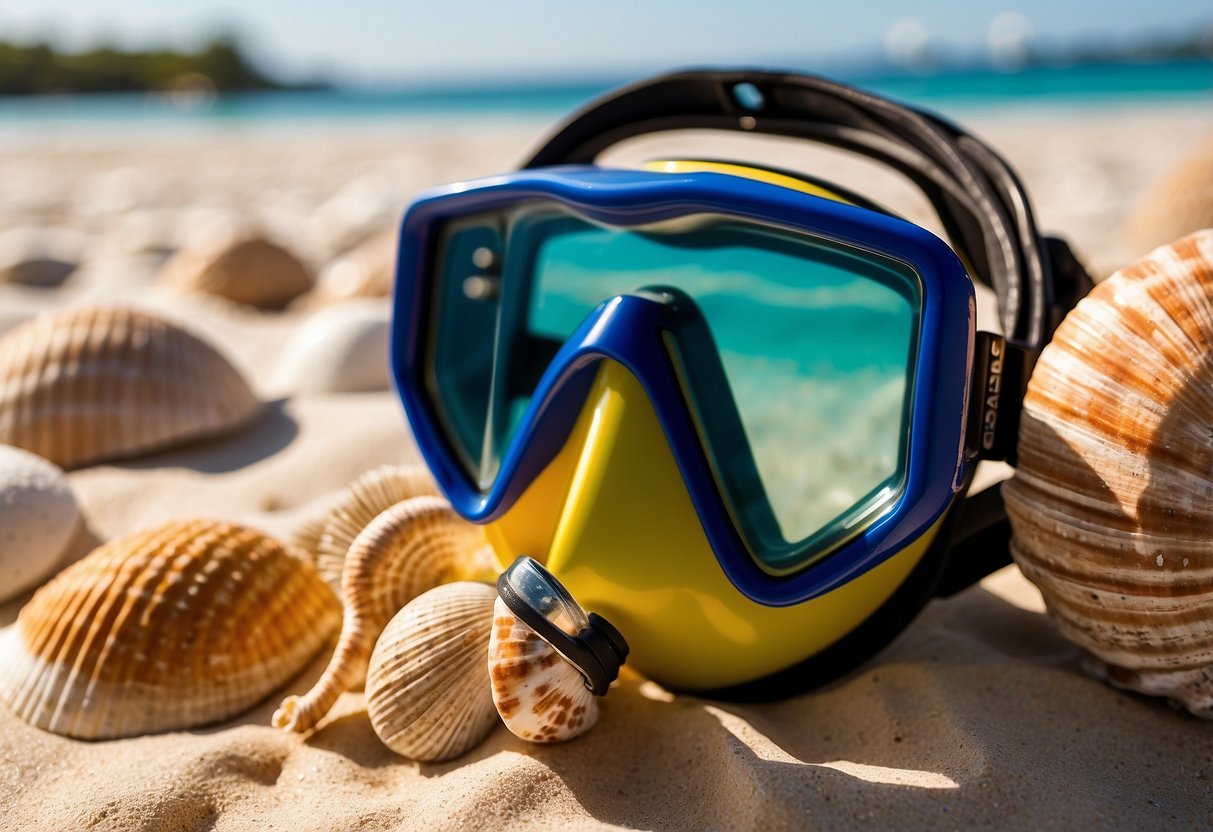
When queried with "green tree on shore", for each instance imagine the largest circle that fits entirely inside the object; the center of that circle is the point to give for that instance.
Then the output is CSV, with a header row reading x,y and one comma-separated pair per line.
x,y
38,69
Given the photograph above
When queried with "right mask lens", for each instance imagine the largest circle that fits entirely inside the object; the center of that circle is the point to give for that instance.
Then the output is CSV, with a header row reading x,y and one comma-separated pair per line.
x,y
796,354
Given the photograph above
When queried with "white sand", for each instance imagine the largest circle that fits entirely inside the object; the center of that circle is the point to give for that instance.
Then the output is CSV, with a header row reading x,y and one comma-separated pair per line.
x,y
976,716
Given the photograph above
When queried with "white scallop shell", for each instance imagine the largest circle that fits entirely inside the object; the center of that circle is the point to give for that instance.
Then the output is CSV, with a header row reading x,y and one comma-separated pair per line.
x,y
93,384
38,519
427,687
540,696
1112,502
339,349
410,548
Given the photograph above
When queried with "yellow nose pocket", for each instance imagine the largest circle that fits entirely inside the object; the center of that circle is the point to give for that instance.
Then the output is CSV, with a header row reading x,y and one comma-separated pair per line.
x,y
612,519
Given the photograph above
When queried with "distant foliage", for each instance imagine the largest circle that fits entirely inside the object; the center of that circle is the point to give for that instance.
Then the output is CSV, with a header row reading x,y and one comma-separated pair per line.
x,y
39,69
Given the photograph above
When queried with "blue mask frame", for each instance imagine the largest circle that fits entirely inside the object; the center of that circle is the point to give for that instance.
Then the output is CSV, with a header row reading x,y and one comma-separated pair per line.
x,y
628,329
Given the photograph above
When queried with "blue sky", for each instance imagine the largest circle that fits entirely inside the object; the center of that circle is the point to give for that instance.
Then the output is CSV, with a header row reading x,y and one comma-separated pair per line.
x,y
386,41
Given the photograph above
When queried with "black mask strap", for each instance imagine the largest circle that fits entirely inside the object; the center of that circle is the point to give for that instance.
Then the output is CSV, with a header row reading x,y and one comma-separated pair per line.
x,y
980,201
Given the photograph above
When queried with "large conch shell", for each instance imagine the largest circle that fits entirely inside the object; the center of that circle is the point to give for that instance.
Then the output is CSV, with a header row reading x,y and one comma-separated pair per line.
x,y
1112,503
94,384
427,688
411,547
176,627
328,539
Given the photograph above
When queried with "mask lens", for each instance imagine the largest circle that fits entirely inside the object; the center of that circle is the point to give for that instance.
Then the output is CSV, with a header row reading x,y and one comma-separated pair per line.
x,y
796,355
547,597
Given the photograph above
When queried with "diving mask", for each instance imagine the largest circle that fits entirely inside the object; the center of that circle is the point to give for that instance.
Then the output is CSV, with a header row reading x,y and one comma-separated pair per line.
x,y
735,410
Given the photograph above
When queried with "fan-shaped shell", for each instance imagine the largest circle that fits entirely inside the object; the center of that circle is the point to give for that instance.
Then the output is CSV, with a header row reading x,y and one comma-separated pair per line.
x,y
340,349
38,519
365,499
1112,503
427,687
411,547
94,384
540,696
1179,204
179,626
242,267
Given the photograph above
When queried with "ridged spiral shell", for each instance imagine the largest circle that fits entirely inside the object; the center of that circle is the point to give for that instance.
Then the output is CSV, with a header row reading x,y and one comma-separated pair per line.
x,y
329,539
410,548
94,384
539,695
427,687
179,626
1112,502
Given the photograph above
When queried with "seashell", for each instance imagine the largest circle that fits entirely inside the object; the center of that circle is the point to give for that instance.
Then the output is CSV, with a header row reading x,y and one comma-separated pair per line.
x,y
341,349
179,626
94,384
411,547
241,267
1179,204
427,687
1112,502
39,257
366,271
38,519
539,695
366,498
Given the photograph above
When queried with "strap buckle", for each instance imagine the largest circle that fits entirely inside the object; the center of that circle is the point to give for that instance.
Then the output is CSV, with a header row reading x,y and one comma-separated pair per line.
x,y
1001,371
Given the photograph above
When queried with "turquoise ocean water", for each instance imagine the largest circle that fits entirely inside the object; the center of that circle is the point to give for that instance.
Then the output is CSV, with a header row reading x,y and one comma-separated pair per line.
x,y
1089,85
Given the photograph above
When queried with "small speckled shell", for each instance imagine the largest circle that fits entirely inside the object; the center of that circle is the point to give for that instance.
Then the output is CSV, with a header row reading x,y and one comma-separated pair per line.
x,y
410,548
242,268
94,384
366,498
38,519
1112,503
540,696
176,627
427,688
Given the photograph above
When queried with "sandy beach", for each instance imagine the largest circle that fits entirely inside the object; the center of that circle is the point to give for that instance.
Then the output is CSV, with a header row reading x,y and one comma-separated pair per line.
x,y
976,716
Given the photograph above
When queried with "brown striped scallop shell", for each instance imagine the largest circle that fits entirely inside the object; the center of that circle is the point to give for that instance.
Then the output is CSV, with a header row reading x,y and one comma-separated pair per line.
x,y
1112,502
94,384
183,625
242,267
412,547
